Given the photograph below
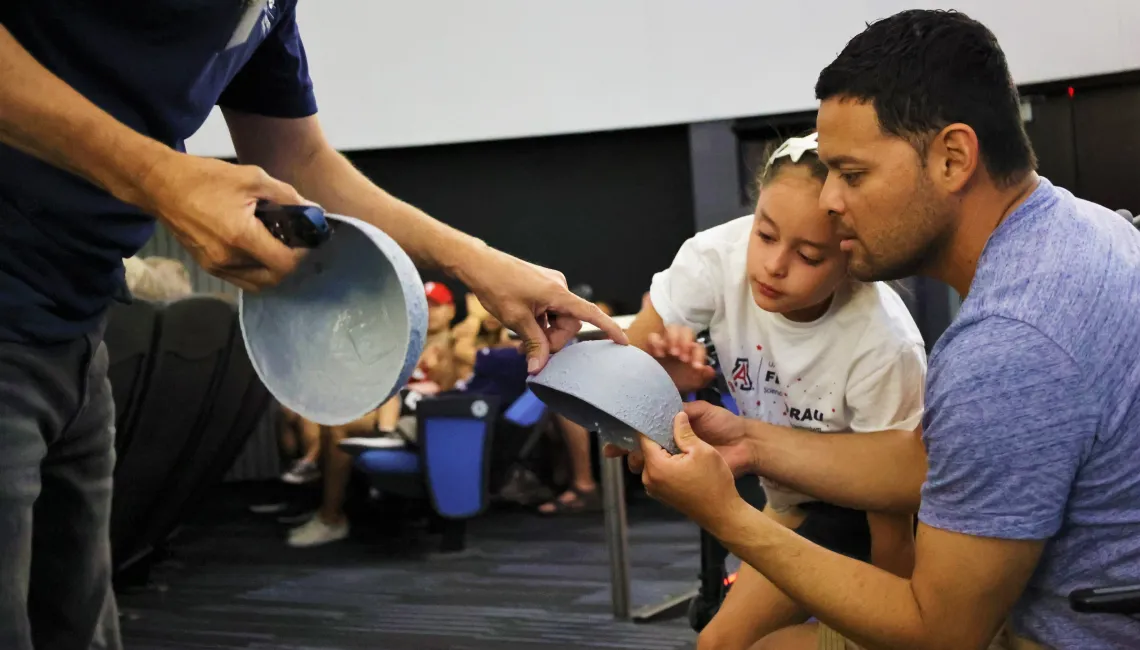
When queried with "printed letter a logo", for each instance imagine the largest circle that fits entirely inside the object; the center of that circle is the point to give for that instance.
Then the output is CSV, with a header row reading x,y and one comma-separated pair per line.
x,y
742,375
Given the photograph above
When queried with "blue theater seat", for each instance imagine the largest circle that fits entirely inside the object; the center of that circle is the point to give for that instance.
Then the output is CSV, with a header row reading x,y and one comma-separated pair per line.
x,y
449,464
526,411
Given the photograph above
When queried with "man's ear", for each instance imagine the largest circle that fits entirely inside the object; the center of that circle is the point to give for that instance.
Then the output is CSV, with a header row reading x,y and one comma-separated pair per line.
x,y
954,157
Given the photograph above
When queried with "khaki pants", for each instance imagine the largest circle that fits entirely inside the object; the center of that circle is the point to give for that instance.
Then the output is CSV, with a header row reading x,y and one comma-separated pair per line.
x,y
829,639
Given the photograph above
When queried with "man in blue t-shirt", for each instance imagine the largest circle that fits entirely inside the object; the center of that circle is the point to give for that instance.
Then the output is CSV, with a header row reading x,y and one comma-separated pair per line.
x,y
96,100
1032,428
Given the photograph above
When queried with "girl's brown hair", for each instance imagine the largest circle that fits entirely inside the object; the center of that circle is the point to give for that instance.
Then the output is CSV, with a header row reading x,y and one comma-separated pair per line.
x,y
772,168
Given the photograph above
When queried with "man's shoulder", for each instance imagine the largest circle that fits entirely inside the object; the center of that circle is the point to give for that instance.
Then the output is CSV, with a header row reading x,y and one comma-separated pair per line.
x,y
1058,265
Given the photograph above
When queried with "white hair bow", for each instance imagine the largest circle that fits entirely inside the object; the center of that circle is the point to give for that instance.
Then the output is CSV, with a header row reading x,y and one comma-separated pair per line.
x,y
795,148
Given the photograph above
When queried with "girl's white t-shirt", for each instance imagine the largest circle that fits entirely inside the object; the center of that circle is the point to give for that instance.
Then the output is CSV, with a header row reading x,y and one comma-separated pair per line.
x,y
860,367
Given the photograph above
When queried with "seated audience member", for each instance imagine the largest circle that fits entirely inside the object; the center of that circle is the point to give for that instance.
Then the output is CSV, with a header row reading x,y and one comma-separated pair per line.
x,y
499,371
157,279
582,495
441,311
478,331
1031,434
800,344
439,348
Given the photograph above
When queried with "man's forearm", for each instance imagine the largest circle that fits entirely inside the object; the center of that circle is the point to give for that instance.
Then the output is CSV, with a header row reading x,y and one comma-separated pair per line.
x,y
881,471
44,117
330,180
866,604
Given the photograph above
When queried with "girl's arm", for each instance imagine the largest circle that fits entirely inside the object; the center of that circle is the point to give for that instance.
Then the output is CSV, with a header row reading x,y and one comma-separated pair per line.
x,y
466,333
465,349
685,375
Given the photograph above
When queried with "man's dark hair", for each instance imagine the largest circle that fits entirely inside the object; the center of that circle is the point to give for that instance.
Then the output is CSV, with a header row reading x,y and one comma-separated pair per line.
x,y
923,70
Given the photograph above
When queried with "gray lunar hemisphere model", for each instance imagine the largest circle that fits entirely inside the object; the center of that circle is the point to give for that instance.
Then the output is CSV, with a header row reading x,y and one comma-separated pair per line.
x,y
342,333
616,390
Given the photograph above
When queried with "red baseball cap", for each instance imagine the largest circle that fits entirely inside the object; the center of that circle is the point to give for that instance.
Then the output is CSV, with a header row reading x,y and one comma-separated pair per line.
x,y
438,293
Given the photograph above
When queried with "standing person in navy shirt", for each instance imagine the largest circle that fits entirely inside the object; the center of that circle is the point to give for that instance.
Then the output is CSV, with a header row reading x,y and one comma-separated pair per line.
x,y
1030,440
96,99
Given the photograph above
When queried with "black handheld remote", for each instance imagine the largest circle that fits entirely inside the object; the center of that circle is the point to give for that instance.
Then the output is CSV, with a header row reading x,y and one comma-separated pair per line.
x,y
296,226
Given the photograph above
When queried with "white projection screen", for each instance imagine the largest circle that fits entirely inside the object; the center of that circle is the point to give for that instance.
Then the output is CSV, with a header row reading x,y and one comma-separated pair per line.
x,y
392,73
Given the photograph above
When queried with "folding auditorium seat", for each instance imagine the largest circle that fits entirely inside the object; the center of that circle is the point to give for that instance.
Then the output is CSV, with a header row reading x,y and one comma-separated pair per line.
x,y
449,464
131,335
1123,600
187,363
527,411
229,417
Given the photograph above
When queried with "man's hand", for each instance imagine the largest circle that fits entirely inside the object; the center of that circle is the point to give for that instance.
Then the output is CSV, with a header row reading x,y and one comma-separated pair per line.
x,y
725,432
533,302
695,482
678,344
208,205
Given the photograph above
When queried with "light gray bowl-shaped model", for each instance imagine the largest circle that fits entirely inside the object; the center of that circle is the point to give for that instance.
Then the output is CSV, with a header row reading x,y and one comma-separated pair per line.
x,y
616,390
342,333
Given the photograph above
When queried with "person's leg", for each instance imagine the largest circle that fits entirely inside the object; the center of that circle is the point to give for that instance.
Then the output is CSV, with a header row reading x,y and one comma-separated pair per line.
x,y
22,448
583,492
71,602
63,397
388,415
338,471
837,529
753,609
306,469
330,523
802,637
817,636
310,440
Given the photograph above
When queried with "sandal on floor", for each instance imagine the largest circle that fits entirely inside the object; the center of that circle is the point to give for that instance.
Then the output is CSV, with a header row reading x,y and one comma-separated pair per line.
x,y
582,502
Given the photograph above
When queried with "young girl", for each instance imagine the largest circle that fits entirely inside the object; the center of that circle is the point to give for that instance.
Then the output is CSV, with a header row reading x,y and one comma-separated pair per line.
x,y
799,345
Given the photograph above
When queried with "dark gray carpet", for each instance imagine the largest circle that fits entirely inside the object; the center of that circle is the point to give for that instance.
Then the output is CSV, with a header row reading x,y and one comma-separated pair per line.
x,y
525,582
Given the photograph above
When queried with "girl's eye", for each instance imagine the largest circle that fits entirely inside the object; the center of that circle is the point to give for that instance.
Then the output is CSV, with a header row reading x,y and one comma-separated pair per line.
x,y
765,237
811,260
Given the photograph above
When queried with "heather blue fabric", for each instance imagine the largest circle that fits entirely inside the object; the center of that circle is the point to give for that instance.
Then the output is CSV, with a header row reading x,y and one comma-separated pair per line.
x,y
1033,410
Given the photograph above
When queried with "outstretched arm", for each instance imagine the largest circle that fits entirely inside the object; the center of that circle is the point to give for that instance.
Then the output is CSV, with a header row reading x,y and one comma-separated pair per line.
x,y
518,293
881,471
